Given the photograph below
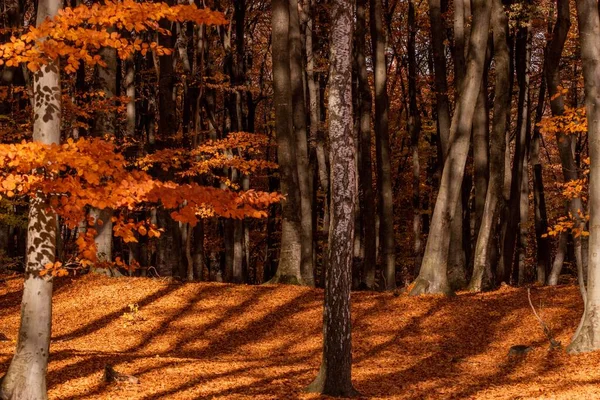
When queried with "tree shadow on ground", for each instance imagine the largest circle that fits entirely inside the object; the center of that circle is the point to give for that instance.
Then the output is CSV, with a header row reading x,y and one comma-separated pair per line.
x,y
220,341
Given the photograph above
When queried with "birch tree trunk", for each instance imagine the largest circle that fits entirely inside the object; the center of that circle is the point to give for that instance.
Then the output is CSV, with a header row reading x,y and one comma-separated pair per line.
x,y
334,378
433,275
587,337
26,375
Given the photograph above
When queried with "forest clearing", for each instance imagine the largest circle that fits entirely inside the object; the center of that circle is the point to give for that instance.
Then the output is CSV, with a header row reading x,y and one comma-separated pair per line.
x,y
224,341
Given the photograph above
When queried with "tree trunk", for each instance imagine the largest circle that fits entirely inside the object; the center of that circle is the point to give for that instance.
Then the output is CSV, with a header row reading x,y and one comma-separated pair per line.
x,y
365,168
481,148
334,378
299,122
104,125
557,105
442,105
539,199
414,129
587,337
523,55
433,275
288,270
26,375
382,144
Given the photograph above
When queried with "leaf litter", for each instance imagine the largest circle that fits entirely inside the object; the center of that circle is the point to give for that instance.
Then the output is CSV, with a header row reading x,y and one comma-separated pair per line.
x,y
223,341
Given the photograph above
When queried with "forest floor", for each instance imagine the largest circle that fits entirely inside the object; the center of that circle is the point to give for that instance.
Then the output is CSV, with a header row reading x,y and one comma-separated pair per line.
x,y
208,340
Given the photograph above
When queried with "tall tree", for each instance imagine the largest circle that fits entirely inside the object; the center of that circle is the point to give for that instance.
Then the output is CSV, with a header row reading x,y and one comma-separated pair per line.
x,y
288,270
523,55
334,376
557,105
433,275
365,181
26,375
587,337
299,121
414,129
382,146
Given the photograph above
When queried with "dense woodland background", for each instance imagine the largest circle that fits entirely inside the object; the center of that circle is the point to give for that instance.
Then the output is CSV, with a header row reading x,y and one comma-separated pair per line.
x,y
219,81
159,109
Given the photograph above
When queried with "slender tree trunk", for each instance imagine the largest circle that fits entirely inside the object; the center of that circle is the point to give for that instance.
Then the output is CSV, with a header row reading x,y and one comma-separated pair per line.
x,y
299,122
481,149
334,378
382,144
26,375
587,337
365,168
290,256
433,275
442,106
414,129
104,125
559,259
557,105
523,55
539,199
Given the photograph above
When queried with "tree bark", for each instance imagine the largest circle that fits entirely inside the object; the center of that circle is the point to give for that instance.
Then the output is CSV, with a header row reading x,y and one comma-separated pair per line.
x,y
587,337
288,270
539,198
334,378
442,105
26,375
523,55
365,168
414,129
299,123
382,144
433,275
557,105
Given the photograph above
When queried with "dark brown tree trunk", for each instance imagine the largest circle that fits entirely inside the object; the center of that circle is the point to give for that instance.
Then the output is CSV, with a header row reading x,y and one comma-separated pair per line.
x,y
334,378
414,129
442,106
299,122
523,55
288,270
557,105
382,144
539,199
367,205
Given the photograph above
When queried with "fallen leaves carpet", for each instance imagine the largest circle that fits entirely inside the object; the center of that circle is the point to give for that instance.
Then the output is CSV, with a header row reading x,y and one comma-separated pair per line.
x,y
221,341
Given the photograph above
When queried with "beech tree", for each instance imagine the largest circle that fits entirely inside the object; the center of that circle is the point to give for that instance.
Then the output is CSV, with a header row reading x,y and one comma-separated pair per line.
x,y
587,336
433,275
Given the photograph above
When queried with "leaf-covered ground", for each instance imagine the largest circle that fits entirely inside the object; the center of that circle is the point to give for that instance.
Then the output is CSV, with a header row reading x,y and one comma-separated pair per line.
x,y
206,340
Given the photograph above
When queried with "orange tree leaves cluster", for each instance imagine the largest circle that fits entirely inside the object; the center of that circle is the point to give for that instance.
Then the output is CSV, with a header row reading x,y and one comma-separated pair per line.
x,y
213,155
83,173
78,33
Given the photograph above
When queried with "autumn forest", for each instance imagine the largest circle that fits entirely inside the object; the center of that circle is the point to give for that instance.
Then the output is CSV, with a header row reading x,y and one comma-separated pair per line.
x,y
210,199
